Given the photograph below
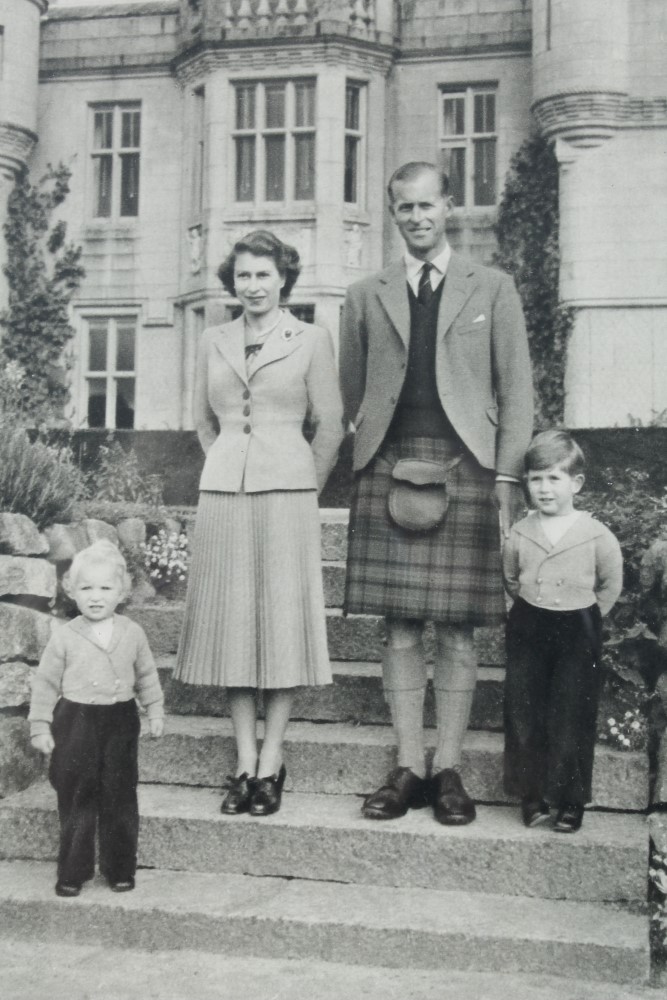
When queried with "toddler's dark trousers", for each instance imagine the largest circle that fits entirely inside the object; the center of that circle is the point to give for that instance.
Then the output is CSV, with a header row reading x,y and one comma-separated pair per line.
x,y
552,689
94,771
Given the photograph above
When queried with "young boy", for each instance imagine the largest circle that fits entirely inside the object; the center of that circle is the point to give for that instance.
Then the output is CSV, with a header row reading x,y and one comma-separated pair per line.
x,y
83,712
565,571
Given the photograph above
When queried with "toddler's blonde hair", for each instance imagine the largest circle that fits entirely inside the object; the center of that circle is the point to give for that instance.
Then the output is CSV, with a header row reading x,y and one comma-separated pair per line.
x,y
100,553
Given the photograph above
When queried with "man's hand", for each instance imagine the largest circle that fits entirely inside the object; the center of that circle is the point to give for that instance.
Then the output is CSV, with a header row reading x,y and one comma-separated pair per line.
x,y
156,727
43,742
509,497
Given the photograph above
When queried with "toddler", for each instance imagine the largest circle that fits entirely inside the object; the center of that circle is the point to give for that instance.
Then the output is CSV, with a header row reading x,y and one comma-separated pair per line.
x,y
564,570
83,712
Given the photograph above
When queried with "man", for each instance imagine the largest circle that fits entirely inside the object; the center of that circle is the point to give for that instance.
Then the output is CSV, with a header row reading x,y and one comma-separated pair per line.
x,y
434,367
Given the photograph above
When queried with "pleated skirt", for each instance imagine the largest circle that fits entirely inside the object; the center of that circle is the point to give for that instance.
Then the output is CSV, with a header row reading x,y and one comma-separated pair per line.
x,y
254,610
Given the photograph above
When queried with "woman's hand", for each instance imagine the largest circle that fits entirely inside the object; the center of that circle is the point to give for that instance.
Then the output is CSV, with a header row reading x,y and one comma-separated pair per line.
x,y
43,742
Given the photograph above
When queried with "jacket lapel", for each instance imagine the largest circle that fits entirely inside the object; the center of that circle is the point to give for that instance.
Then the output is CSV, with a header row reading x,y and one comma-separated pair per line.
x,y
230,342
583,530
287,337
458,288
393,295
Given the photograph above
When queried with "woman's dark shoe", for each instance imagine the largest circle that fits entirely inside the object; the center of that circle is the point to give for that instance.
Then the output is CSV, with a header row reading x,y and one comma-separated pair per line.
x,y
402,790
67,891
239,794
452,806
569,818
534,813
122,885
267,794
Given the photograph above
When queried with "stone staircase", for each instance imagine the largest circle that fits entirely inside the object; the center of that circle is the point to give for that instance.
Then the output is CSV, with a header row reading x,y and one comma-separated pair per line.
x,y
316,881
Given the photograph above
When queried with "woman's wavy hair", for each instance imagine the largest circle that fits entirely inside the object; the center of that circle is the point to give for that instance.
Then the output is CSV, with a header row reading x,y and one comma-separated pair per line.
x,y
262,243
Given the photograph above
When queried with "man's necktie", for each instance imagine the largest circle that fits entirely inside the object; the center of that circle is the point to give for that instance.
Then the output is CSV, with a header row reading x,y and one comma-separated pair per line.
x,y
424,290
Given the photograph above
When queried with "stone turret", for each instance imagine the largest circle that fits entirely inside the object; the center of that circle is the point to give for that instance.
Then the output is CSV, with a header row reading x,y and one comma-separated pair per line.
x,y
19,69
600,92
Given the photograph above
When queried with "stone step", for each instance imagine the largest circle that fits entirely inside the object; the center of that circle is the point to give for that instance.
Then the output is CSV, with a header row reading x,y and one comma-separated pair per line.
x,y
356,925
127,973
355,637
333,520
324,837
355,696
343,759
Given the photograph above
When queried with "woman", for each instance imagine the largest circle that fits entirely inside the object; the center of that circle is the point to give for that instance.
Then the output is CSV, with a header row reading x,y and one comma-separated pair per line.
x,y
254,616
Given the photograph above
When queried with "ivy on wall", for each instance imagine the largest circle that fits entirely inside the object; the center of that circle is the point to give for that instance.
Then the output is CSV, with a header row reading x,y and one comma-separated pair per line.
x,y
43,272
527,233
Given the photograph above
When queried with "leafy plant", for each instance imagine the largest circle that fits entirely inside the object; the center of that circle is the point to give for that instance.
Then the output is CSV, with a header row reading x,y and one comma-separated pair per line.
x,y
527,233
36,479
42,272
116,477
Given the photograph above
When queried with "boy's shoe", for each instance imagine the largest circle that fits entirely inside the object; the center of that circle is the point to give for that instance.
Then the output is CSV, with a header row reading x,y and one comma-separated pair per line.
x,y
123,885
569,818
534,813
67,891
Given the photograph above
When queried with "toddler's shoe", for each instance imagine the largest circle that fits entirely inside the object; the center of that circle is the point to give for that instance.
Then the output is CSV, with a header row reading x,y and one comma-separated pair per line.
x,y
534,813
67,891
569,818
122,885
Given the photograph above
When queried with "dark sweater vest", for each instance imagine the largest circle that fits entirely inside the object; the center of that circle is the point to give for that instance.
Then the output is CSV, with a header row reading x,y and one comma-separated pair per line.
x,y
419,412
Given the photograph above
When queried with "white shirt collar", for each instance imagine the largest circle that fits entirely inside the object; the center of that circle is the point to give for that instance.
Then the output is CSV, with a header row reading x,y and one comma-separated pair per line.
x,y
439,264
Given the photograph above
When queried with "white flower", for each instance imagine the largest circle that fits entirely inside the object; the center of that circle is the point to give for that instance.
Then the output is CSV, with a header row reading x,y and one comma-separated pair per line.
x,y
614,731
634,725
611,722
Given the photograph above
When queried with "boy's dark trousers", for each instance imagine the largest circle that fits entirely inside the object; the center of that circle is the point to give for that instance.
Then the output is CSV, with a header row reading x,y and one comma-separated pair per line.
x,y
94,771
552,689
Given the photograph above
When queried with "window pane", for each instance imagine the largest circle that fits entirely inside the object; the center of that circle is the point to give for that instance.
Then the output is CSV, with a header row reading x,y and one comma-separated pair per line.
x,y
453,116
352,108
485,172
454,165
304,167
130,129
274,150
102,185
125,403
97,402
351,148
304,312
245,168
275,105
129,184
103,127
125,349
305,104
245,106
97,348
485,113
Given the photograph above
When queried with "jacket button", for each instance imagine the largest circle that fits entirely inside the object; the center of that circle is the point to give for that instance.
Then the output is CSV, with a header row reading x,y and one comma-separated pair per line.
x,y
246,394
246,411
539,579
246,429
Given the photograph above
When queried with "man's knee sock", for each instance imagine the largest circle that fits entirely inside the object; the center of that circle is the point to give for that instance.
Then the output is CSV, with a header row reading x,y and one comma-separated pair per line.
x,y
404,678
454,679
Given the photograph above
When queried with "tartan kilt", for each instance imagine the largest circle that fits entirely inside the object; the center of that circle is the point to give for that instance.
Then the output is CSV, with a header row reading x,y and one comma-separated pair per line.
x,y
451,574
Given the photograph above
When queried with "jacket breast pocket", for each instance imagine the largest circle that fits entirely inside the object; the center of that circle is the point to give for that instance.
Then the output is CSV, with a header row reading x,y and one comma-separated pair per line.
x,y
472,329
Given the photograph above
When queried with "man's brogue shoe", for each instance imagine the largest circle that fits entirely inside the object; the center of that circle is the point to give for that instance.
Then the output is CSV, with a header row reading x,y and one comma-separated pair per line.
x,y
452,806
402,790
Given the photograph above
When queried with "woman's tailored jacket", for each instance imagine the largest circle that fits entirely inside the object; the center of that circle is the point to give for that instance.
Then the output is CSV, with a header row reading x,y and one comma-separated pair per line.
x,y
76,667
583,568
251,426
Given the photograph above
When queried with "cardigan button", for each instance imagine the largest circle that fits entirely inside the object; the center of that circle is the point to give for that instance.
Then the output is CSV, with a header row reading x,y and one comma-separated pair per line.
x,y
247,429
246,411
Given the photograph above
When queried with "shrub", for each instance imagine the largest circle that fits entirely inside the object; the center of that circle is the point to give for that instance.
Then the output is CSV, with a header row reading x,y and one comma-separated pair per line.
x,y
36,479
116,477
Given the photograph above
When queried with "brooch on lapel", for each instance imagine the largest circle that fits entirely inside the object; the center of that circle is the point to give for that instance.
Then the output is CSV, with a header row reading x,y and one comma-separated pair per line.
x,y
288,333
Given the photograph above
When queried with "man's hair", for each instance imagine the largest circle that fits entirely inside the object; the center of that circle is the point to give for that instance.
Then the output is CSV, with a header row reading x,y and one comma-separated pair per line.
x,y
555,447
100,553
409,171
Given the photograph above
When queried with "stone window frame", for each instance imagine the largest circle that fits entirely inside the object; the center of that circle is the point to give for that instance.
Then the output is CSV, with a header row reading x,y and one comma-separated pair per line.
x,y
354,151
464,117
253,131
115,159
111,323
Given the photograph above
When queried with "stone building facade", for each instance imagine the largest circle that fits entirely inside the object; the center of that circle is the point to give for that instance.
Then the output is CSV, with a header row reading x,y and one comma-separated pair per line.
x,y
186,123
